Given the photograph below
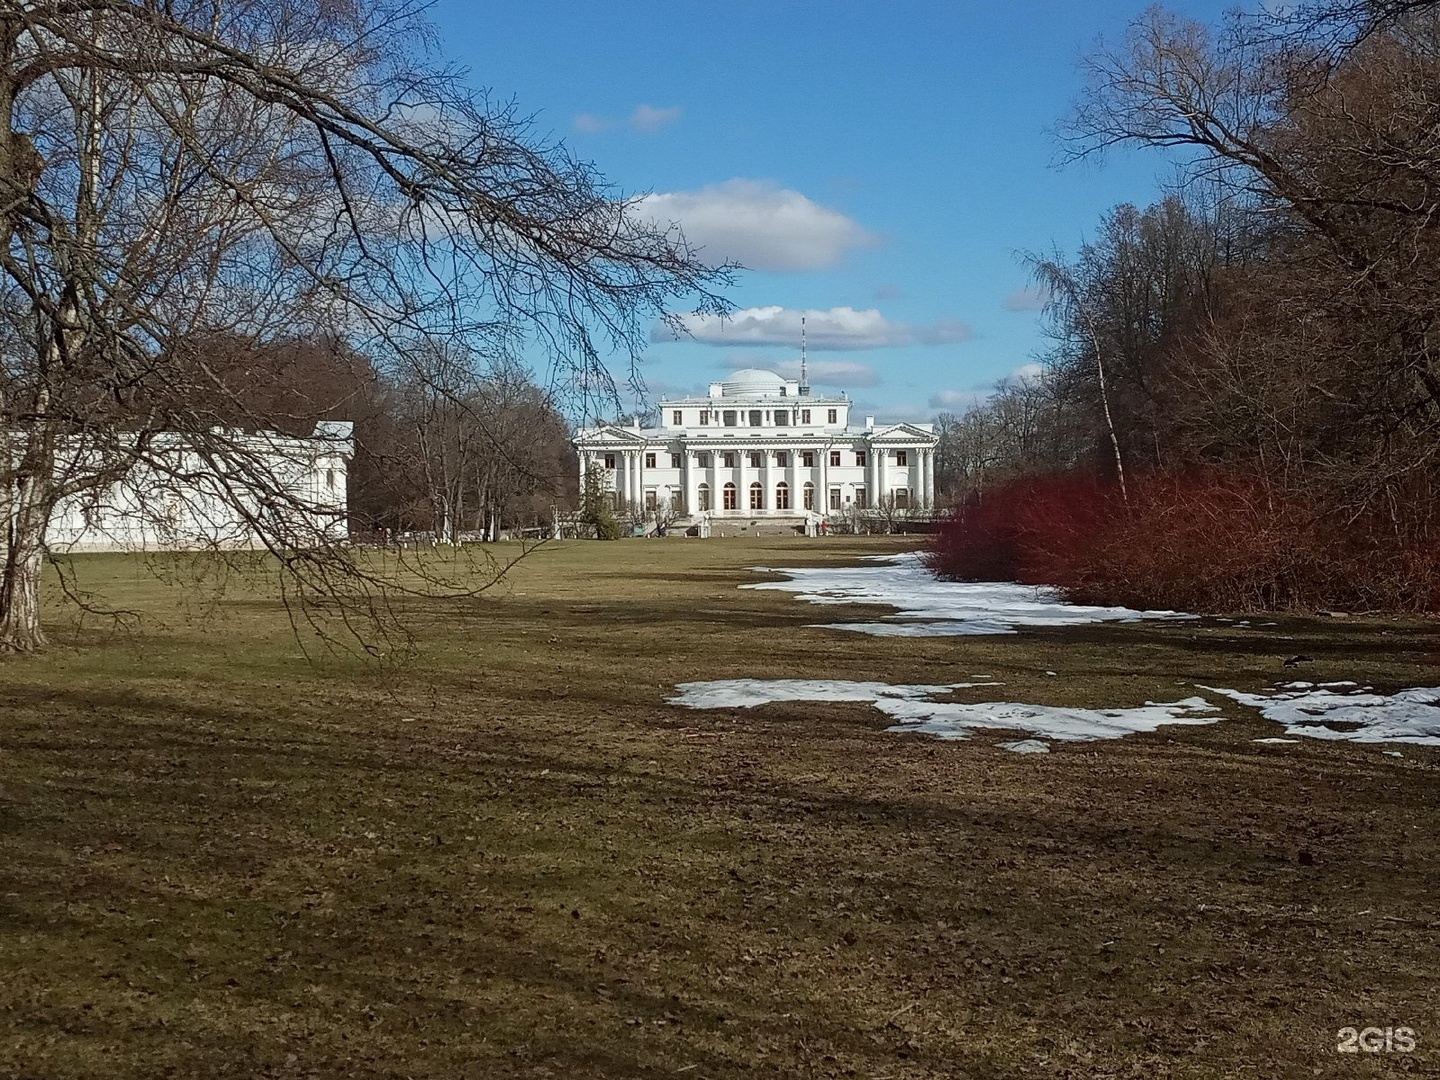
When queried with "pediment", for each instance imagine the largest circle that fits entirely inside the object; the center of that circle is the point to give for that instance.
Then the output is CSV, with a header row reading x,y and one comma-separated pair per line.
x,y
610,435
909,433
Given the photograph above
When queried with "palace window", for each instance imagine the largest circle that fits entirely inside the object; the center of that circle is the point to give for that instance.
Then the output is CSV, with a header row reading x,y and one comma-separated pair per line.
x,y
859,457
677,417
902,498
731,500
862,499
704,496
705,460
729,417
757,497
755,418
902,458
782,417
808,493
782,496
651,499
835,498
807,459
782,459
728,459
784,390
757,460
330,479
676,461
833,417
610,461
804,416
834,457
649,461
704,417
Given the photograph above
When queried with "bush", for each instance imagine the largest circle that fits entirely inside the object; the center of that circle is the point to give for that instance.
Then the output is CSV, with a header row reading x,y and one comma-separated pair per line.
x,y
1204,540
1010,532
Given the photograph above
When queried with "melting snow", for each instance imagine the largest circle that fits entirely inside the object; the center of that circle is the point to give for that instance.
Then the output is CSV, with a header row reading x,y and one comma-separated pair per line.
x,y
930,607
915,709
1343,710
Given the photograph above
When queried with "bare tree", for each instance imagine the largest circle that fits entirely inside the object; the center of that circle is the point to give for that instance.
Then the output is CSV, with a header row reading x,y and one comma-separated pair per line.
x,y
666,512
1069,303
173,170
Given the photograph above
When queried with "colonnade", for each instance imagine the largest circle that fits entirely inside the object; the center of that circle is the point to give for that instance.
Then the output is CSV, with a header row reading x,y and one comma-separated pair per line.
x,y
629,478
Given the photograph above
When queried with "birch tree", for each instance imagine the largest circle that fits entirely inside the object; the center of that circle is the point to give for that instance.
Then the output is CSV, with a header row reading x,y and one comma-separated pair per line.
x,y
176,170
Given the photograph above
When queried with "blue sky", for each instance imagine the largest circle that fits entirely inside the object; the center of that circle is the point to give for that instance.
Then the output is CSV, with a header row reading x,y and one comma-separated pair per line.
x,y
886,158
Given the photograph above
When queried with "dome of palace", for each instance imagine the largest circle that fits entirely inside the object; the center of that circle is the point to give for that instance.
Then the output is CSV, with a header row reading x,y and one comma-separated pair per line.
x,y
752,383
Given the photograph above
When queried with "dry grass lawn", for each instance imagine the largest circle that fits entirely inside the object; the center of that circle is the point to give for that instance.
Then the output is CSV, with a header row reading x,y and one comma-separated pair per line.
x,y
507,856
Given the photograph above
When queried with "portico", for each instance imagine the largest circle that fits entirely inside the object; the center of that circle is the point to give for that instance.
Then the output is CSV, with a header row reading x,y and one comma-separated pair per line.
x,y
761,445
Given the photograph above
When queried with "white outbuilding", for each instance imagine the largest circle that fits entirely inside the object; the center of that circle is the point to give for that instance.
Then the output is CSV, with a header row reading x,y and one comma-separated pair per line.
x,y
231,490
761,445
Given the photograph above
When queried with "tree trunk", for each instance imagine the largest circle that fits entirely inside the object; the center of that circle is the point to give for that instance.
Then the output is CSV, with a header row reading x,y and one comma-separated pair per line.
x,y
20,576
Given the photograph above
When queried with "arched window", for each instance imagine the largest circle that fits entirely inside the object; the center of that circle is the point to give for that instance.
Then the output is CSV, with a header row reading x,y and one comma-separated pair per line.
x,y
809,494
704,497
782,496
731,499
757,497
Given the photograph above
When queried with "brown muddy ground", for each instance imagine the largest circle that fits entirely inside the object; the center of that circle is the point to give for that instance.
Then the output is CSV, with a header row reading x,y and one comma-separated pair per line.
x,y
507,856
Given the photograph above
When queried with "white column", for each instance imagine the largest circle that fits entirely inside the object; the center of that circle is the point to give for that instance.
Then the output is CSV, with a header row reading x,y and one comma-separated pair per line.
x,y
797,493
742,485
692,480
822,493
716,495
881,477
930,478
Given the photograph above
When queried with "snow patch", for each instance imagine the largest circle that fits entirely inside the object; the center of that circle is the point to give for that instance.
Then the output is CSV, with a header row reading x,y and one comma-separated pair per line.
x,y
1345,711
915,708
929,607
1027,746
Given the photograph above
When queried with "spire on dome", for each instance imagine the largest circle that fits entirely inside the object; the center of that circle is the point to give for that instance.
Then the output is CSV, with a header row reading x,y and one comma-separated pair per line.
x,y
804,362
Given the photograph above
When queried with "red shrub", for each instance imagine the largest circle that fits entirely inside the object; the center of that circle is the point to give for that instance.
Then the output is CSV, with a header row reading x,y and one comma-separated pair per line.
x,y
1199,541
1011,532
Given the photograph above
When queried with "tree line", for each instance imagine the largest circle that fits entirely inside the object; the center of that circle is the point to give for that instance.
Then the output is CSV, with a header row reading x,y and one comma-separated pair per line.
x,y
1247,367
447,445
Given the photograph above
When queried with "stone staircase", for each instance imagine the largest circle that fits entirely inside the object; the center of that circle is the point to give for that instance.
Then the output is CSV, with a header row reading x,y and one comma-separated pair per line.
x,y
769,525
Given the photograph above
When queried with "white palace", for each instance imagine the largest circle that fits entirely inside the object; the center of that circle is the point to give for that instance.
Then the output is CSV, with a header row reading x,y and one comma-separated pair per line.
x,y
761,445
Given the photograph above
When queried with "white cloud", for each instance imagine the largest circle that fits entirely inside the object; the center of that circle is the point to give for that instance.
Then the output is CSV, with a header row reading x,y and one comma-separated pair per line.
x,y
830,372
1028,374
840,328
1030,298
759,225
954,400
649,119
590,124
